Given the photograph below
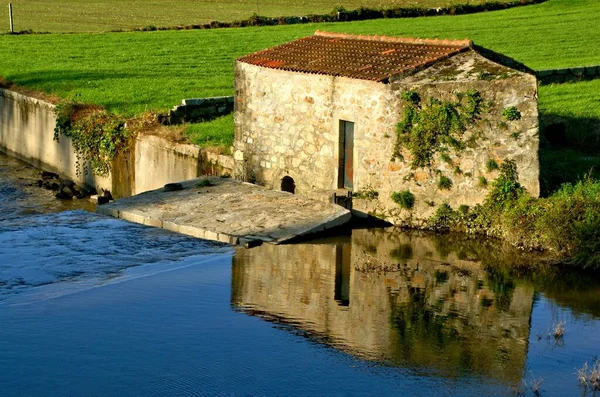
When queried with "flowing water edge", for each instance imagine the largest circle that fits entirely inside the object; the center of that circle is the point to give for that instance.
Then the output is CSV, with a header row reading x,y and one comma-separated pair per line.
x,y
91,305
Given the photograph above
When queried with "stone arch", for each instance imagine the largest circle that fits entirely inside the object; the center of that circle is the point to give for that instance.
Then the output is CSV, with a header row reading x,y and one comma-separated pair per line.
x,y
288,184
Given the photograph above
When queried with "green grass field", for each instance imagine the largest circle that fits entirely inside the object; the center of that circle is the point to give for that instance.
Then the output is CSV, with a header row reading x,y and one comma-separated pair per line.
x,y
106,15
132,72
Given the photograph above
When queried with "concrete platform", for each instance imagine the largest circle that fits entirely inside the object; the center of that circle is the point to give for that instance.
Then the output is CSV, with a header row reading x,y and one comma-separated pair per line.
x,y
229,211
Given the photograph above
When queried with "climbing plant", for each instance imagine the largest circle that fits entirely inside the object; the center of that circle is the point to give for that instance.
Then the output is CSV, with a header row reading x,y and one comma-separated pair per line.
x,y
97,135
436,125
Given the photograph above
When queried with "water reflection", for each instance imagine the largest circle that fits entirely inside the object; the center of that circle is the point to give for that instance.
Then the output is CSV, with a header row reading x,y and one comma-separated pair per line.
x,y
402,299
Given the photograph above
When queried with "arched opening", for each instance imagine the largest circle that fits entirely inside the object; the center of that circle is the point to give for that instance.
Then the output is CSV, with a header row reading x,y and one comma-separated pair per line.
x,y
288,185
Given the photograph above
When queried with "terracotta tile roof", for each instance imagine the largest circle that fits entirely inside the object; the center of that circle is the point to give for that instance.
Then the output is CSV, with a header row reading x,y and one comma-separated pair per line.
x,y
361,57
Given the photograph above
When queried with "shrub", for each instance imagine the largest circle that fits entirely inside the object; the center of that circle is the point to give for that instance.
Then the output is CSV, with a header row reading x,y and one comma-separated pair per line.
x,y
483,182
444,183
463,209
404,199
366,194
491,165
437,125
443,218
506,187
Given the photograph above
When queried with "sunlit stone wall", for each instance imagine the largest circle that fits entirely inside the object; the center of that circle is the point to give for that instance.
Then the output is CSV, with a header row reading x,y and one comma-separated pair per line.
x,y
288,124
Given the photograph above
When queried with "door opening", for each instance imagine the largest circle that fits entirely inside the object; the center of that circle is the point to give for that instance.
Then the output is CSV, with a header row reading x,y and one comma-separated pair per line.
x,y
346,155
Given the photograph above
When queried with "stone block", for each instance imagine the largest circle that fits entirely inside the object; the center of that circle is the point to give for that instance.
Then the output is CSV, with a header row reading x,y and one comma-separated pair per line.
x,y
224,238
578,71
592,70
210,235
238,155
153,222
132,217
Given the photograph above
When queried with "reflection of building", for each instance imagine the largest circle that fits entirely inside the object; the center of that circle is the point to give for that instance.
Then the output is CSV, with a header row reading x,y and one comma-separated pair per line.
x,y
429,309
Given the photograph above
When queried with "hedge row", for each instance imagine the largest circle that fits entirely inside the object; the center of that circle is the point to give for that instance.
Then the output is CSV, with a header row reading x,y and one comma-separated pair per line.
x,y
340,14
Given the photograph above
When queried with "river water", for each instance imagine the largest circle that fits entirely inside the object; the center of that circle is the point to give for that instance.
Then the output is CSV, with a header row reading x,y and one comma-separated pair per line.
x,y
91,305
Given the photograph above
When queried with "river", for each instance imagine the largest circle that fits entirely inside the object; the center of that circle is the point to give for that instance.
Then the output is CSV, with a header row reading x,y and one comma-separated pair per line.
x,y
91,305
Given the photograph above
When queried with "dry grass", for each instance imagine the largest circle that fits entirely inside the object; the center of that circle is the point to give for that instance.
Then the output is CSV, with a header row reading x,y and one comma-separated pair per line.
x,y
534,384
589,377
558,330
9,85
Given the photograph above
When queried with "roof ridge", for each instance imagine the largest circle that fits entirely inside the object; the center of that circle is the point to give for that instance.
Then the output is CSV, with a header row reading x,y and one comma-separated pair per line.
x,y
408,40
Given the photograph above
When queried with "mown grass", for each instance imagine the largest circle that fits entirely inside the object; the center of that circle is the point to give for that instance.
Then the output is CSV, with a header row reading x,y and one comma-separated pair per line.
x,y
217,133
130,73
106,15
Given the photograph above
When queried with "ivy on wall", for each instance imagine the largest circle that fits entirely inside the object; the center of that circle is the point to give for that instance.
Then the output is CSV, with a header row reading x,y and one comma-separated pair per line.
x,y
435,126
97,135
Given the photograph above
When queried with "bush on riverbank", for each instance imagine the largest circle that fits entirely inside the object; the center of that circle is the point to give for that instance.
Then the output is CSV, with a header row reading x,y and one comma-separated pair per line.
x,y
566,223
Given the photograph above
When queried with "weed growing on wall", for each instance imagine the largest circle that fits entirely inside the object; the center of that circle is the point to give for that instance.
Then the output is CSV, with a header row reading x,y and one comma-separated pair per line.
x,y
367,193
444,183
511,113
404,199
435,126
97,135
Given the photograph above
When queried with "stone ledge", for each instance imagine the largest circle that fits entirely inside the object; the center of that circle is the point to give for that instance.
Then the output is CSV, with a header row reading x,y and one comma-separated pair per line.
x,y
229,211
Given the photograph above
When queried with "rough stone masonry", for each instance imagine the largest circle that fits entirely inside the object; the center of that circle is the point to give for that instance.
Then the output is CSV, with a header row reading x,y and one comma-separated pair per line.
x,y
287,121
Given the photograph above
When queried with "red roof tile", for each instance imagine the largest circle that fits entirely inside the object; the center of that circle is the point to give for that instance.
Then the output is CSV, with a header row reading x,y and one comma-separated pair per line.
x,y
361,57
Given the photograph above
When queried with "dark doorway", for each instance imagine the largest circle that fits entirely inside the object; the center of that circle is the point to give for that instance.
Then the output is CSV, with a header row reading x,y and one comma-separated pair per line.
x,y
342,274
346,155
288,185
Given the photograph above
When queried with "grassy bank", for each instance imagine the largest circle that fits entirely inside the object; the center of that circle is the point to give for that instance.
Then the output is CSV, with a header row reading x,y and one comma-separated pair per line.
x,y
106,15
567,223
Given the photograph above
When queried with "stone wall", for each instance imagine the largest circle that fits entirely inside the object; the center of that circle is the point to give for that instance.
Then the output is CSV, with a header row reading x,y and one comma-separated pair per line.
x,y
288,124
27,132
435,310
198,109
568,74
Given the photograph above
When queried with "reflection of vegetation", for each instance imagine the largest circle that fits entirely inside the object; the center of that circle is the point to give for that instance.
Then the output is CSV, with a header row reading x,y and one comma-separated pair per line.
x,y
402,252
502,285
441,277
416,323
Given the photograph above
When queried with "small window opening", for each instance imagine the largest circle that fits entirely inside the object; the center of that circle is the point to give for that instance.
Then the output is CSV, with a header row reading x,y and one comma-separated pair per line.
x,y
288,185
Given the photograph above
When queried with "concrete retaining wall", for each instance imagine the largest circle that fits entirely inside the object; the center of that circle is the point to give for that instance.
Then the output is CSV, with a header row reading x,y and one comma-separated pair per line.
x,y
158,161
27,132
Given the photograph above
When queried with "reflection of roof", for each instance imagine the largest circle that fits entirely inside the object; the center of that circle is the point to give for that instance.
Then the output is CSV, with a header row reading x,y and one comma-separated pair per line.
x,y
360,57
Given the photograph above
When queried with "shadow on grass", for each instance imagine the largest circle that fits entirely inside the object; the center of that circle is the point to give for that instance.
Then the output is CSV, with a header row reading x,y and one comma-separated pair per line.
x,y
53,77
569,150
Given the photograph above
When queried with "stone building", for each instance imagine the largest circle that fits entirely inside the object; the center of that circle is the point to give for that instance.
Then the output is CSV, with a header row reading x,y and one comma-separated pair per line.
x,y
380,115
